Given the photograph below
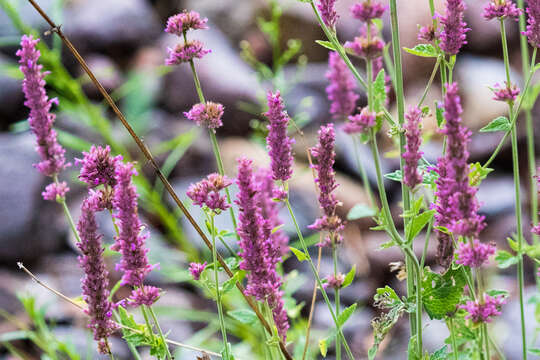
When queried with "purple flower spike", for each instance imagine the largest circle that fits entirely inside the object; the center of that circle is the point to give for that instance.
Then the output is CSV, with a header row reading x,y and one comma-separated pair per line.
x,y
256,249
427,33
368,10
40,119
95,283
484,311
533,21
187,20
326,181
360,123
206,115
501,9
366,48
55,190
411,176
186,52
328,13
144,295
130,241
508,93
98,166
206,192
454,28
341,89
279,143
475,254
196,269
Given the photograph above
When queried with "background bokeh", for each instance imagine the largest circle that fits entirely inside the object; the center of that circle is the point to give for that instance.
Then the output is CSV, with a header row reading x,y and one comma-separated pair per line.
x,y
124,43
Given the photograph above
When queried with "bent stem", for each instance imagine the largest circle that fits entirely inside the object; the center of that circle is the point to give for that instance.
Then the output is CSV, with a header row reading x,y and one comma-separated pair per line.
x,y
218,292
318,279
515,168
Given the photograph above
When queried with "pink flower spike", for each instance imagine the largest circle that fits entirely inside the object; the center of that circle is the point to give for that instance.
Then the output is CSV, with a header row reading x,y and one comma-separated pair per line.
x,y
360,123
196,269
186,52
474,255
187,20
206,115
55,191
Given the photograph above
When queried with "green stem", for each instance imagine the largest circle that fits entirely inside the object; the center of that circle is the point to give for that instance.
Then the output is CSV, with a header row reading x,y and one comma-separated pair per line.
x,y
430,82
529,123
67,213
218,292
453,337
336,294
515,167
147,321
318,279
160,332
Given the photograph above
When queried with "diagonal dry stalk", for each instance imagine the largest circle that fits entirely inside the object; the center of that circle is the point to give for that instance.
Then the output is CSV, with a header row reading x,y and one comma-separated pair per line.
x,y
146,152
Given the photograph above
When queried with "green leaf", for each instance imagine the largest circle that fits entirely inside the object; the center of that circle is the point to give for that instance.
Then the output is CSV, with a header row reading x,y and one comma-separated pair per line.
x,y
439,114
300,255
349,277
396,176
418,223
373,351
323,347
498,124
346,314
530,97
229,284
497,292
379,92
535,351
442,293
513,244
505,259
440,354
423,50
360,211
245,316
478,173
326,44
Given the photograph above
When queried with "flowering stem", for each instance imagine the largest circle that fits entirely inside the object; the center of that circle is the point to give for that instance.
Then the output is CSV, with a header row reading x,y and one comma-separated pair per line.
x,y
218,292
318,279
67,213
430,82
160,332
336,296
515,163
312,308
529,123
453,337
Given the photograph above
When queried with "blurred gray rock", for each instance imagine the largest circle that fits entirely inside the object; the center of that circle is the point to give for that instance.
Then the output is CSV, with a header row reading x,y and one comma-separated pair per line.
x,y
30,226
110,25
224,77
495,196
81,341
11,95
27,14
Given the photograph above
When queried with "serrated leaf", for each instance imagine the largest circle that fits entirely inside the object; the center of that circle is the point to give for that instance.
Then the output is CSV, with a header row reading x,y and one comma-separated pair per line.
x,y
360,211
505,259
440,354
418,223
442,293
245,316
498,124
349,277
439,114
379,91
300,255
423,50
396,176
229,284
326,44
346,314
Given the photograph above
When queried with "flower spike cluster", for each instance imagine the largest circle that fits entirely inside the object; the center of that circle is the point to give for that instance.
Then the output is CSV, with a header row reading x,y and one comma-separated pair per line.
x,y
368,45
326,181
256,248
474,255
55,190
328,12
40,119
340,91
207,192
279,143
533,22
130,241
360,123
484,311
98,166
411,176
509,93
196,269
453,34
367,11
501,9
95,283
206,115
186,51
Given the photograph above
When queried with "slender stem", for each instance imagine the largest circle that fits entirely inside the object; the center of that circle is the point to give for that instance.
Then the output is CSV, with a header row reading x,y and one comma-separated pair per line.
x,y
218,292
529,123
430,82
67,213
453,337
336,296
147,321
318,279
312,307
517,185
160,332
486,339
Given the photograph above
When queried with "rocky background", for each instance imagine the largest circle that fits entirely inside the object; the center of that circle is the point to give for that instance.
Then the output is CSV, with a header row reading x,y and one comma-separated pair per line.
x,y
124,37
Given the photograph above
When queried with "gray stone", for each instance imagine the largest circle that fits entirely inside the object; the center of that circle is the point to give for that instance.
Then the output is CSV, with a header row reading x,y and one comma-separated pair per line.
x,y
30,226
11,95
